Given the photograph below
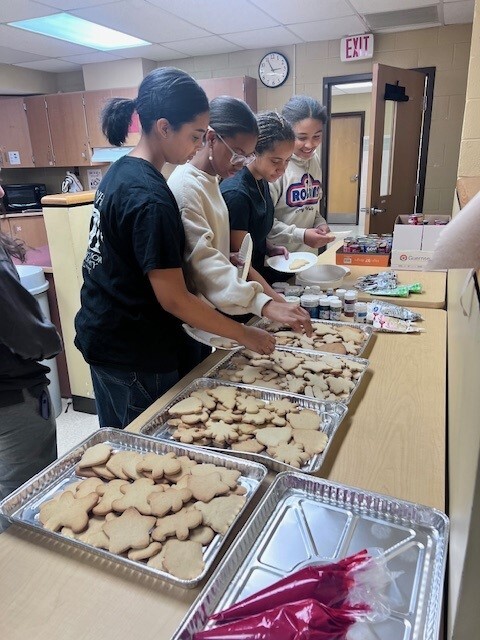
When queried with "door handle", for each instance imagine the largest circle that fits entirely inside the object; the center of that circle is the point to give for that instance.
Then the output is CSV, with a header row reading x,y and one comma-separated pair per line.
x,y
354,178
373,211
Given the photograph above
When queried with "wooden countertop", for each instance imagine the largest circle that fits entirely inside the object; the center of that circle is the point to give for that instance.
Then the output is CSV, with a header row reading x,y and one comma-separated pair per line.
x,y
434,283
392,441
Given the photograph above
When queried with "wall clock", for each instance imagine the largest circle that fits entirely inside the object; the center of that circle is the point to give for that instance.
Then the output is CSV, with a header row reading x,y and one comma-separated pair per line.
x,y
273,69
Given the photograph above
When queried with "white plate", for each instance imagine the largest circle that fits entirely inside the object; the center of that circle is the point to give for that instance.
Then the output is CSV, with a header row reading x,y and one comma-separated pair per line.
x,y
343,234
245,255
279,263
211,339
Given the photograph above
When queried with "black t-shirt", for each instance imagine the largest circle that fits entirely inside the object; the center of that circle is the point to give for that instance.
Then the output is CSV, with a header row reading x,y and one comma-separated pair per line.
x,y
251,209
135,228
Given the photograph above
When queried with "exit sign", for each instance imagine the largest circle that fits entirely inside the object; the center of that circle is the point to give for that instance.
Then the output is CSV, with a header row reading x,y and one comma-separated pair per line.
x,y
356,47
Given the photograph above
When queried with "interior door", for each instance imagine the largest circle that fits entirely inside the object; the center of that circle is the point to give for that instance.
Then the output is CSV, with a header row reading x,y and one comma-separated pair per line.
x,y
344,162
394,145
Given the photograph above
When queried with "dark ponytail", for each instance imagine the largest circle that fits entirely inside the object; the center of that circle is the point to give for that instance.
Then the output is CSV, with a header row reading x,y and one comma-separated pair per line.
x,y
165,92
13,246
230,116
301,107
272,128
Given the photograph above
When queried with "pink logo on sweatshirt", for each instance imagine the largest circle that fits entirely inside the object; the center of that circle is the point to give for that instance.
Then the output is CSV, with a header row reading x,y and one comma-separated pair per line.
x,y
307,191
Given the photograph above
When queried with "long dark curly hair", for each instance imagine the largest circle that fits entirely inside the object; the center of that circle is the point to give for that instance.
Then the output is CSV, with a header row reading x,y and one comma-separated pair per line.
x,y
13,246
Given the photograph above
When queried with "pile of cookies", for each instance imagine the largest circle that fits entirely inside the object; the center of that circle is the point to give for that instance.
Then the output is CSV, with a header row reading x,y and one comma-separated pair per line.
x,y
160,509
327,377
228,417
333,338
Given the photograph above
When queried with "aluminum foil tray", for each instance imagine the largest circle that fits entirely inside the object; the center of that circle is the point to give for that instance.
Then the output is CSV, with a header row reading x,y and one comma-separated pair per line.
x,y
226,364
303,520
22,506
332,415
264,323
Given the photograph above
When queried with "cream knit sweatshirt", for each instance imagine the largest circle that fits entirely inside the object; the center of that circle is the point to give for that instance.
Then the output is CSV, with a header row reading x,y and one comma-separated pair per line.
x,y
208,270
296,196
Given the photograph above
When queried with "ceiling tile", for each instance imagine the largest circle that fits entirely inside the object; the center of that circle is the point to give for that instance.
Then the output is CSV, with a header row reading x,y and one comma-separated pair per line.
x,y
35,43
288,12
23,10
52,65
68,5
218,16
143,20
257,39
458,12
381,6
204,46
151,52
328,29
12,56
88,58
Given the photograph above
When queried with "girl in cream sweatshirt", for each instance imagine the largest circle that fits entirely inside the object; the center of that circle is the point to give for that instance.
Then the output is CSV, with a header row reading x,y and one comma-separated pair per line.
x,y
230,145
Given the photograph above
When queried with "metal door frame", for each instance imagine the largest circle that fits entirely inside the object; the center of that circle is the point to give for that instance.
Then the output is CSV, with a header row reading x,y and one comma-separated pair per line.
x,y
367,77
351,114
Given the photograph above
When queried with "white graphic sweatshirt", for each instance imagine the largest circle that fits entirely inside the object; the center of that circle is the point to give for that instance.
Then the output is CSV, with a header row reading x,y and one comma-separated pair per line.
x,y
208,270
296,196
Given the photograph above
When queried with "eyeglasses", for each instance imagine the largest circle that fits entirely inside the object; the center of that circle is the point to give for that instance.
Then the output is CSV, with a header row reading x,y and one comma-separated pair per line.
x,y
237,158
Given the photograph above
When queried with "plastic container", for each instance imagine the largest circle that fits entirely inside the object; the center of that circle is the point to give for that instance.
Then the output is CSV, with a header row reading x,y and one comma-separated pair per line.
x,y
349,303
34,281
323,275
293,299
324,308
360,312
293,290
280,286
341,294
335,309
311,304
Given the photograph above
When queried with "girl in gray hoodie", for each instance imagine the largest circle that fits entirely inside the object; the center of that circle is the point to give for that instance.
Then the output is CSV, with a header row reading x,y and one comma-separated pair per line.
x,y
298,223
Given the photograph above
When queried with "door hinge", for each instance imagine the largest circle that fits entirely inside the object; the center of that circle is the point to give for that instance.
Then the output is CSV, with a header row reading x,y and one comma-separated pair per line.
x,y
417,189
425,103
24,106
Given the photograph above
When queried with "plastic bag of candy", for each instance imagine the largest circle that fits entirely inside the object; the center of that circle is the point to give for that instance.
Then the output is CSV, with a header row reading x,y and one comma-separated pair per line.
x,y
392,310
318,602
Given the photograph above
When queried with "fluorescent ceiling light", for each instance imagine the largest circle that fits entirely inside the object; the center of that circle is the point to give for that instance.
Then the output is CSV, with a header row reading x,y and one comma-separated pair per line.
x,y
355,85
72,29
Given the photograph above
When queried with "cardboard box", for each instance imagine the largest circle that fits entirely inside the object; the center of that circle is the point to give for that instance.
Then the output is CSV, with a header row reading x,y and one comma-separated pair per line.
x,y
407,236
411,260
362,259
417,237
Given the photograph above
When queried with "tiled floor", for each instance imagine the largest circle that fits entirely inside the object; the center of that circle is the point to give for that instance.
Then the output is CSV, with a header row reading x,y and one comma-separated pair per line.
x,y
73,427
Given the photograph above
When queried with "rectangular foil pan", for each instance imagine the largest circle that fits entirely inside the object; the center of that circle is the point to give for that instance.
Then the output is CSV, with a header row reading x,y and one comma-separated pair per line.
x,y
226,363
303,520
332,414
22,506
367,330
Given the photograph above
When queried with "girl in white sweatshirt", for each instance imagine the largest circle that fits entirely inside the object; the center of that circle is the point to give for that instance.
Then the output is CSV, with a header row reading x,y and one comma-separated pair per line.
x,y
230,145
298,223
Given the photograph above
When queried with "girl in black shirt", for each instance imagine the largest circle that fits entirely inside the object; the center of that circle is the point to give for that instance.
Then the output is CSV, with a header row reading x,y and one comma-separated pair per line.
x,y
248,199
134,290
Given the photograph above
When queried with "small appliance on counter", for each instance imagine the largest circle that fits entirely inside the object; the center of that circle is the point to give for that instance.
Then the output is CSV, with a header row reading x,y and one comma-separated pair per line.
x,y
21,198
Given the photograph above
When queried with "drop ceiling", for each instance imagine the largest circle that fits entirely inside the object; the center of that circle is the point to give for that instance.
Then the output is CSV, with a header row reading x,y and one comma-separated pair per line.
x,y
185,28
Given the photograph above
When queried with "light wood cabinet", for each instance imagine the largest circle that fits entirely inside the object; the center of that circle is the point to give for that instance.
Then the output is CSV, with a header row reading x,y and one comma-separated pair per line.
x,y
5,226
68,129
30,229
243,87
94,102
15,146
39,129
